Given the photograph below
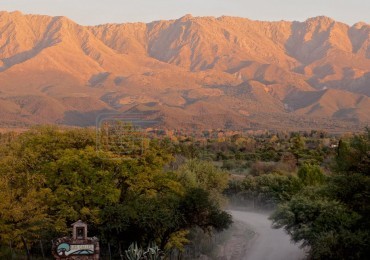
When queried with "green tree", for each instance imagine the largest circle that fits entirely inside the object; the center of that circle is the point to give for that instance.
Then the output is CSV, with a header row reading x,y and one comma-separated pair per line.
x,y
332,219
23,211
271,189
82,183
55,176
51,176
322,225
204,175
200,210
311,175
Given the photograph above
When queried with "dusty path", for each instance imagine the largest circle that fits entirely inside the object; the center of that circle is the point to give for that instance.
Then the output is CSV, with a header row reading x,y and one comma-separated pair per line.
x,y
268,243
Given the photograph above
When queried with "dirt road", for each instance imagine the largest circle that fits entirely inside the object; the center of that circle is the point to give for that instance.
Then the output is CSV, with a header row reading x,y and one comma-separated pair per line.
x,y
268,243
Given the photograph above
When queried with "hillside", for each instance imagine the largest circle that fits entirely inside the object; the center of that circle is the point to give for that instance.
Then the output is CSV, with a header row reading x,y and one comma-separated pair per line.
x,y
193,72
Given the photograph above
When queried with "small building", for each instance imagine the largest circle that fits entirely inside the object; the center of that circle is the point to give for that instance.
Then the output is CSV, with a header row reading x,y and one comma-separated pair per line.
x,y
77,247
79,230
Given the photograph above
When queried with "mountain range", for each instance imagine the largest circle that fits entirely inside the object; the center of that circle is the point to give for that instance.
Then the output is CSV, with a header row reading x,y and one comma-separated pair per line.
x,y
193,72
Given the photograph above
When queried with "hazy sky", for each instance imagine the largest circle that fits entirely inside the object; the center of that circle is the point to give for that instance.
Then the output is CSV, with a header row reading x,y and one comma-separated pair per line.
x,y
90,12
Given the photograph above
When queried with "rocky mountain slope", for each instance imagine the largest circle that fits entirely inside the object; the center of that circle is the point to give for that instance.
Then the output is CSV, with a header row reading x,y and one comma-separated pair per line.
x,y
194,72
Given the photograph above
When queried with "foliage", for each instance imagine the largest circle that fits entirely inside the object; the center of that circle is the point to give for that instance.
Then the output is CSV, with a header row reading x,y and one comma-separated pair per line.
x,y
23,213
204,175
311,175
78,178
332,219
199,210
325,226
51,177
353,155
269,190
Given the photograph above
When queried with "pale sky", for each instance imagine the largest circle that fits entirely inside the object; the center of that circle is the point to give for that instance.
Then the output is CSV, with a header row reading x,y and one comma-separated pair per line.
x,y
92,12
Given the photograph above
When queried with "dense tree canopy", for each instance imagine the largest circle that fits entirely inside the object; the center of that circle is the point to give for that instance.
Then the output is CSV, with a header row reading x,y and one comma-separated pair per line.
x,y
333,219
145,190
50,178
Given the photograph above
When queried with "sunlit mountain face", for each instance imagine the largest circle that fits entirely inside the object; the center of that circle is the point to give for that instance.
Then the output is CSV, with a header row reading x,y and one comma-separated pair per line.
x,y
200,72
